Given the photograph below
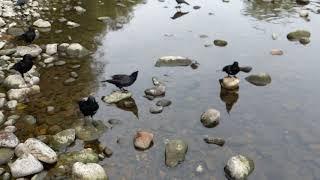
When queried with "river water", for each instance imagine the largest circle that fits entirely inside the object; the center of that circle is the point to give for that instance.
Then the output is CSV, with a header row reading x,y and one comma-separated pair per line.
x,y
275,125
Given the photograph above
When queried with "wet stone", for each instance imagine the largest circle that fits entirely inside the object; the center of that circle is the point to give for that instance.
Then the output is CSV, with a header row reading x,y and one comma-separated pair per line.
x,y
69,81
163,102
5,155
107,151
261,79
143,140
8,140
239,167
214,140
156,109
210,118
74,75
175,152
220,42
59,63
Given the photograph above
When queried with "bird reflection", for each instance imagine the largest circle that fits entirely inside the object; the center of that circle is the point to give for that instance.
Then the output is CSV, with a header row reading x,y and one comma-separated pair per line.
x,y
178,14
229,97
128,105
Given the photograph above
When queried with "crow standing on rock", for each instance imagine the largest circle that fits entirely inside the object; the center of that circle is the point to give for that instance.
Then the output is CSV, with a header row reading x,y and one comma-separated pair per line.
x,y
88,107
29,35
24,65
234,69
122,80
181,2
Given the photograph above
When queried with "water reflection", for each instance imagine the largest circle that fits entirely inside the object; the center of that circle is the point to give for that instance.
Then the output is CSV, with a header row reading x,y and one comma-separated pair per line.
x,y
269,11
229,97
129,105
179,14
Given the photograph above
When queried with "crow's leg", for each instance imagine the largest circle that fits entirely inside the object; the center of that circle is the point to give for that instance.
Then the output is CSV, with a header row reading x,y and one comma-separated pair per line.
x,y
124,90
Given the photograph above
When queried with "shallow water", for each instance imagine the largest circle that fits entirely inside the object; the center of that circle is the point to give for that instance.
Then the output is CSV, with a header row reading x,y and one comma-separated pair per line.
x,y
275,125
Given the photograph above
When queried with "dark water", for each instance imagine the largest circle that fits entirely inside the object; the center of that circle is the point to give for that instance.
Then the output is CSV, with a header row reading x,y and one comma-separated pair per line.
x,y
275,125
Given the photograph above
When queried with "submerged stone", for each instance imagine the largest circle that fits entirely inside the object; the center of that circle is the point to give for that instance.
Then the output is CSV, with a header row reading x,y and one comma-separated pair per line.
x,y
261,79
210,118
220,42
239,167
175,152
171,61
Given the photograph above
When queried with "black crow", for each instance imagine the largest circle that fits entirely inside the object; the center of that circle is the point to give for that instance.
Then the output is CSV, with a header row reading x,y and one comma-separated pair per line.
x,y
24,65
22,2
122,80
182,2
29,35
234,69
88,107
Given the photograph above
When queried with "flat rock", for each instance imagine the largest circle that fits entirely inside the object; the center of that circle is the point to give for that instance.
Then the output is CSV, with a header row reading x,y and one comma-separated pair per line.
x,y
33,50
175,152
143,140
261,79
210,118
163,102
25,165
8,140
7,52
214,140
239,167
42,23
88,171
116,96
84,156
171,61
72,24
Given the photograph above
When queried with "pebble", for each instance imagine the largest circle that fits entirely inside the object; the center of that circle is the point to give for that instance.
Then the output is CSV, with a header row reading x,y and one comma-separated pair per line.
x,y
277,52
163,102
72,24
69,81
74,74
156,109
10,129
214,140
59,63
143,140
210,118
107,151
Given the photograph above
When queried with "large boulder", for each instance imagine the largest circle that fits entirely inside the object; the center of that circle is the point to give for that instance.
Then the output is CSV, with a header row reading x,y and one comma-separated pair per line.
x,y
238,167
81,171
175,152
77,50
25,165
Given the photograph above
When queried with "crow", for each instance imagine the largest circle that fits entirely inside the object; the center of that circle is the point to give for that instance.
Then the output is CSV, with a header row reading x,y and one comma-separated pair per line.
x,y
122,80
29,35
234,69
22,2
88,107
24,65
182,2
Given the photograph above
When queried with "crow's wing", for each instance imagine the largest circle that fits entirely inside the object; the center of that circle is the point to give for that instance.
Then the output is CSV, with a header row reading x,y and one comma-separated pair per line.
x,y
119,76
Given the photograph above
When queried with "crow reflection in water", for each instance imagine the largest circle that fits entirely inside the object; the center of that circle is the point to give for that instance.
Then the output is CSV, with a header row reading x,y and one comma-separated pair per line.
x,y
229,97
178,14
128,105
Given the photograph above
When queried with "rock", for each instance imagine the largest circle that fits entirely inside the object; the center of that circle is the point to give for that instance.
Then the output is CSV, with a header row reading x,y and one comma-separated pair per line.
x,y
80,9
10,129
277,52
30,119
90,131
6,176
105,19
63,139
157,82
2,170
298,34
107,151
69,81
77,50
304,13
25,165
214,140
14,82
156,109
274,36
3,101
49,60
156,91
116,96
304,40
63,47
6,155
2,23
88,171
51,49
11,105
171,61
175,152
40,176
35,89
303,2
143,140
196,7
84,156
72,24
7,52
210,118
2,119
10,122
261,79
74,74
20,150
40,150
33,50
238,167
18,94
60,63
230,83
220,42
40,23
8,140
2,44
163,102
50,110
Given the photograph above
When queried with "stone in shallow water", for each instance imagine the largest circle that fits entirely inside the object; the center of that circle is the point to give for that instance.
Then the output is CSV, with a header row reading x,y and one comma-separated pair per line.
x,y
88,171
77,50
239,167
69,81
175,152
219,42
84,156
5,155
298,34
276,52
33,50
171,61
210,118
163,102
116,96
25,165
143,140
90,131
261,79
51,49
42,23
8,140
14,82
62,139
156,91
214,140
304,40
230,83
40,150
156,109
